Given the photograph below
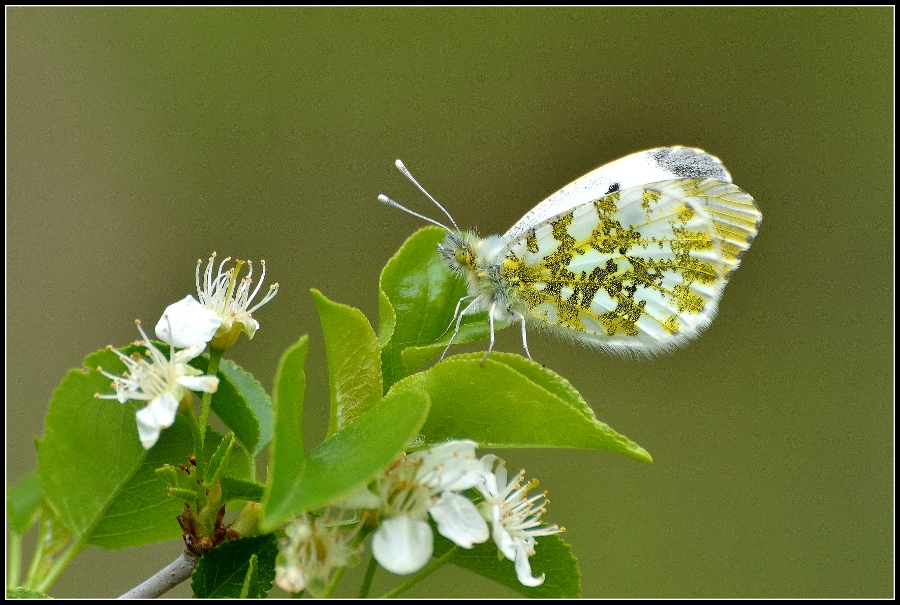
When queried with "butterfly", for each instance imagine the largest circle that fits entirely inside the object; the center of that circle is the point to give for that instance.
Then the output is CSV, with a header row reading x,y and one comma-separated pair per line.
x,y
632,257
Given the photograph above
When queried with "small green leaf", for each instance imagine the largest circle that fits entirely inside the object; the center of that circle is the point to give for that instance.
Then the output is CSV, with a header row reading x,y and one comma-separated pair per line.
x,y
23,499
220,459
180,486
350,458
222,572
354,361
182,494
423,294
256,397
238,489
553,558
287,455
509,401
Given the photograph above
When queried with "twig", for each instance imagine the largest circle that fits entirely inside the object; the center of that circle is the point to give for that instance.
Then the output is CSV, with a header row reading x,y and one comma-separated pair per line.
x,y
165,579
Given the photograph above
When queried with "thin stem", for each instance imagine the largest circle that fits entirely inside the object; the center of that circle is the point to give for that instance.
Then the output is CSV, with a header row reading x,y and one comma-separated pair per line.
x,y
422,574
338,574
195,432
166,578
215,356
335,580
34,569
366,585
14,560
60,565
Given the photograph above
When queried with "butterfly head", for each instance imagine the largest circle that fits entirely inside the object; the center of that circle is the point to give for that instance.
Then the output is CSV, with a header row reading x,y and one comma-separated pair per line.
x,y
458,250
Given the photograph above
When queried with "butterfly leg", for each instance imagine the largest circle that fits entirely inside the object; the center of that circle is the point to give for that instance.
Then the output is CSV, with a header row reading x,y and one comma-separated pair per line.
x,y
458,321
524,337
490,346
455,313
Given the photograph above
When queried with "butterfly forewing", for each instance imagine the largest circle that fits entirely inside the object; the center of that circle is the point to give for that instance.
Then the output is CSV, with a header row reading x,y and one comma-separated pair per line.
x,y
640,168
636,271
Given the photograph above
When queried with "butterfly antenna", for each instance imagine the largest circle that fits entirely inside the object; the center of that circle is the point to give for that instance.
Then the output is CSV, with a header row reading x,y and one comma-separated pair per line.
x,y
386,200
408,175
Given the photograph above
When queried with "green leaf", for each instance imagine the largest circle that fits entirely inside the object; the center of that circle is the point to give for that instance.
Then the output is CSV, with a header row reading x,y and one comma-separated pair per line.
x,y
142,511
422,293
222,572
256,397
23,499
21,593
553,557
350,458
287,455
510,401
238,489
354,361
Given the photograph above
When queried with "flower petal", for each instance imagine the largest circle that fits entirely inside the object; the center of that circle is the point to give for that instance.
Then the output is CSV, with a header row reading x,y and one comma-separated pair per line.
x,y
505,542
250,325
459,520
187,323
523,568
289,578
403,545
450,466
158,414
148,431
206,384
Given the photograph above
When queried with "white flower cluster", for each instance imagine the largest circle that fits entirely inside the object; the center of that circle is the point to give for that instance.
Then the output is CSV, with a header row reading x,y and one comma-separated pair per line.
x,y
223,310
313,547
440,482
163,383
166,383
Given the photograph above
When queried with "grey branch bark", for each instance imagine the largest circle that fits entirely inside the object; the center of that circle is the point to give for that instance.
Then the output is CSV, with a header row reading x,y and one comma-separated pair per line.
x,y
165,579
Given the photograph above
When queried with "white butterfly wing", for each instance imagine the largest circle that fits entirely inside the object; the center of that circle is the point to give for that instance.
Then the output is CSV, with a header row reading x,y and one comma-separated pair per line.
x,y
638,271
641,168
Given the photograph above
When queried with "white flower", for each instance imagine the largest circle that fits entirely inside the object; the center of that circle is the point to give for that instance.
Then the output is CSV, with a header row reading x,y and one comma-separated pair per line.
x,y
515,518
230,300
313,547
187,323
162,382
426,483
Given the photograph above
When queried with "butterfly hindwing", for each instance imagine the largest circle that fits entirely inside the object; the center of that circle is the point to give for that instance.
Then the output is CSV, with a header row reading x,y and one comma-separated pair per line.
x,y
637,271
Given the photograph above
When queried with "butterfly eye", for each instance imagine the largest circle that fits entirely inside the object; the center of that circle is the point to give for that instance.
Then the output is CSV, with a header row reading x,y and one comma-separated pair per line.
x,y
464,257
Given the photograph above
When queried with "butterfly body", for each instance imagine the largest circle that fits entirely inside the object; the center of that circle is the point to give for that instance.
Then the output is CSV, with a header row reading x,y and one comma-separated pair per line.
x,y
632,257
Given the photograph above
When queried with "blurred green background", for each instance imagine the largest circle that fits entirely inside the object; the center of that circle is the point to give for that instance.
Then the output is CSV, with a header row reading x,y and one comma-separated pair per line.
x,y
140,140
